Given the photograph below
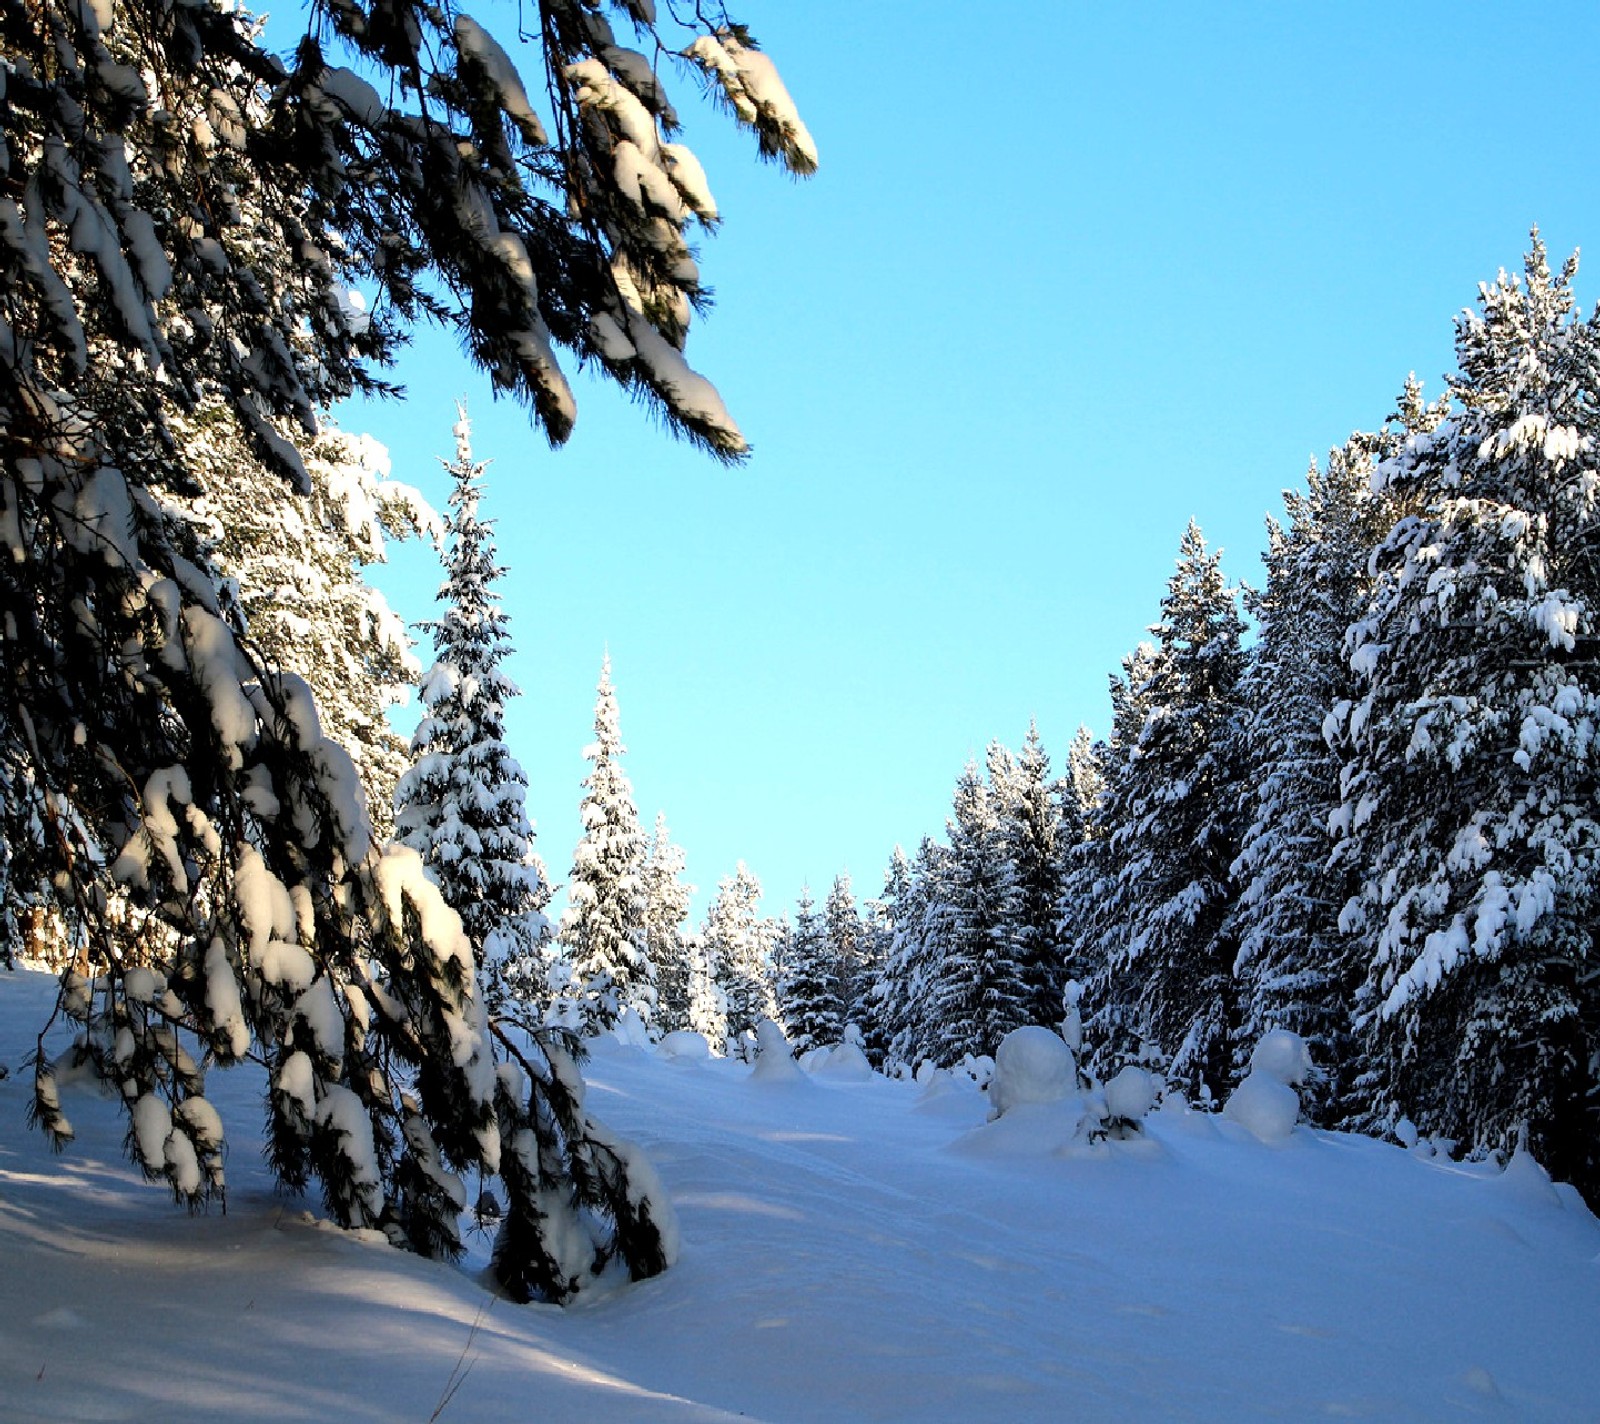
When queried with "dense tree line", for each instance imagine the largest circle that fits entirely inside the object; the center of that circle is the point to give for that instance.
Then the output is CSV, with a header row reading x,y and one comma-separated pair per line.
x,y
1375,824
1372,823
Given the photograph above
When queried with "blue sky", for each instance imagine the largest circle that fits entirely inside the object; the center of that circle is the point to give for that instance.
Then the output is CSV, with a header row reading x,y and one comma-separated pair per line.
x,y
1069,275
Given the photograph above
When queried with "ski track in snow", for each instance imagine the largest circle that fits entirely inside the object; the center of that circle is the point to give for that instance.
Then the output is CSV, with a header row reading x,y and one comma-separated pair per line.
x,y
853,1250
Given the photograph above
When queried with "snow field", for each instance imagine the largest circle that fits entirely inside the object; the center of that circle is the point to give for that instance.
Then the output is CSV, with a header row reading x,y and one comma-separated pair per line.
x,y
853,1249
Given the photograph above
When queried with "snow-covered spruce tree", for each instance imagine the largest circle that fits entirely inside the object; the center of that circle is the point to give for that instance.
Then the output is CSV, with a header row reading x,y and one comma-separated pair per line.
x,y
1472,763
10,928
1093,927
773,933
1033,839
978,993
295,564
462,803
808,993
1081,792
708,1005
905,992
182,220
666,912
738,947
847,941
876,1012
1084,785
603,927
289,567
1295,970
27,895
1175,811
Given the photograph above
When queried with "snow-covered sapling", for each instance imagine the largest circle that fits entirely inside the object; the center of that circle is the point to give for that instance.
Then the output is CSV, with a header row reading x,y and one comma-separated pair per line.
x,y
1128,1098
774,1058
684,1046
1266,1103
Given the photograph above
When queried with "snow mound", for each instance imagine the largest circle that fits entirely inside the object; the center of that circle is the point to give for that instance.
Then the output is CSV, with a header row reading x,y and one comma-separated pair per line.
x,y
1130,1095
1032,1065
1028,1129
1263,1106
944,1095
630,1029
843,1061
1525,1182
1283,1057
774,1058
684,1046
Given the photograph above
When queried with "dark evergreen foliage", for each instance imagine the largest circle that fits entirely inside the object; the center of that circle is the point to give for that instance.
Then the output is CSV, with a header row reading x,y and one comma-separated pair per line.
x,y
978,993
808,992
1172,813
1034,841
1295,970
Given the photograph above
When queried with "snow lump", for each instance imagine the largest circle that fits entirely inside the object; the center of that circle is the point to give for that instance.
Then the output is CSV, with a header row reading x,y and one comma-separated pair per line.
x,y
1266,1103
774,1060
1032,1065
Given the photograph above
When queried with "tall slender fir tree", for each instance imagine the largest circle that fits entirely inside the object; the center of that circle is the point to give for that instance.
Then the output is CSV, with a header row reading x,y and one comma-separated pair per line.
x,y
666,913
738,945
1177,810
1294,969
603,929
813,1009
462,804
849,945
1033,840
879,1009
978,993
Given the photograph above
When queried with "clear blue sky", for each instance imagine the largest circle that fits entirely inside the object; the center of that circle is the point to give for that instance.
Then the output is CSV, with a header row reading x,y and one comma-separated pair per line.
x,y
1070,274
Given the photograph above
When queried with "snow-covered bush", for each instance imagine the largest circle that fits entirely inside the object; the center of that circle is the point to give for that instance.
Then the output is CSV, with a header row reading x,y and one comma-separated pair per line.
x,y
1264,1106
845,1060
1128,1097
1283,1056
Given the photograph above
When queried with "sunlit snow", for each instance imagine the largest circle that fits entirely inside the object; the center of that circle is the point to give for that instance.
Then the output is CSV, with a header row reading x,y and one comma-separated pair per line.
x,y
852,1249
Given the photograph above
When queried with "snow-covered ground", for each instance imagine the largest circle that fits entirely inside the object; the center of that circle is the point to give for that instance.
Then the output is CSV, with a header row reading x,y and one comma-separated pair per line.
x,y
854,1249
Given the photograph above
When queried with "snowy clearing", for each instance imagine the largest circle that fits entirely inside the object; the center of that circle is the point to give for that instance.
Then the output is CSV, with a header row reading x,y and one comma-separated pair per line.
x,y
854,1249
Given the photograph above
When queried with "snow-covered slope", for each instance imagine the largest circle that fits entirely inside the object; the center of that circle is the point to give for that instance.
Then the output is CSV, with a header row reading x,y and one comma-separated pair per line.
x,y
854,1249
